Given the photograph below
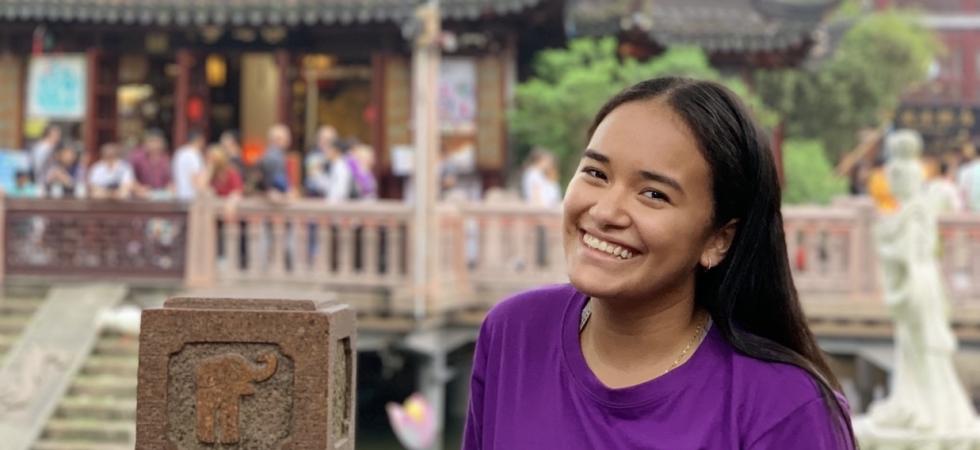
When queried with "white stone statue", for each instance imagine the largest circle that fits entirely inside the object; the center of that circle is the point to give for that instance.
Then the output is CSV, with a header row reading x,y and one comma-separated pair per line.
x,y
926,397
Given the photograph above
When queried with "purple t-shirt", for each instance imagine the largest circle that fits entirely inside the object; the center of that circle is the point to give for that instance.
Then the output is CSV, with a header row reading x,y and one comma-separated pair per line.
x,y
532,389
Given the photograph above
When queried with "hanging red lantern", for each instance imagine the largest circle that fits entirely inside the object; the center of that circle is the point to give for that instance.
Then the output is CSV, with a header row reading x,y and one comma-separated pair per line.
x,y
370,114
195,109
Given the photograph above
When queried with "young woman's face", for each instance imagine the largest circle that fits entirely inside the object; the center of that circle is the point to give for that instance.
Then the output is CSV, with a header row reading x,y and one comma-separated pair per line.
x,y
637,212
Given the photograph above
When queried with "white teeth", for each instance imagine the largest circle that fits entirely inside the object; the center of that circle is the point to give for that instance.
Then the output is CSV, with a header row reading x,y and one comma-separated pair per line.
x,y
612,249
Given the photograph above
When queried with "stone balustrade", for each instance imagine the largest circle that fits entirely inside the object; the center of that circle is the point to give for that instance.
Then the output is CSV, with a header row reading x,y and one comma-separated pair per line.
x,y
485,250
363,244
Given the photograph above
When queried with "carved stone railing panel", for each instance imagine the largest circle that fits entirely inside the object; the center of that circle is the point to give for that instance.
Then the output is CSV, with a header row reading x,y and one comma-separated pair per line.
x,y
826,249
959,250
107,238
308,240
511,245
213,386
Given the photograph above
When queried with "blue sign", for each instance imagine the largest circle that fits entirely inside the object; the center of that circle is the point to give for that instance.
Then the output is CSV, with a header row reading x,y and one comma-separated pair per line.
x,y
56,87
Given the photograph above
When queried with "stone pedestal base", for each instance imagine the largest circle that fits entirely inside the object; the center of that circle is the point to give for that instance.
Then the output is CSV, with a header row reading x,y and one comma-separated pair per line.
x,y
871,437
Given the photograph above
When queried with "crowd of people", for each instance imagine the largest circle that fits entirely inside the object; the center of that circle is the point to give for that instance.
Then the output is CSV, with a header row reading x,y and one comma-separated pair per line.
x,y
953,181
335,169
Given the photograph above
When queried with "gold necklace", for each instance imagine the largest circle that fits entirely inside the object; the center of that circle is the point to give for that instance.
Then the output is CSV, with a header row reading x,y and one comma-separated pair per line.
x,y
699,333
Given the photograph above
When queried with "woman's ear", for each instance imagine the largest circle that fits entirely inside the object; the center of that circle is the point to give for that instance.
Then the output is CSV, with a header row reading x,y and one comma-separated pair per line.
x,y
718,244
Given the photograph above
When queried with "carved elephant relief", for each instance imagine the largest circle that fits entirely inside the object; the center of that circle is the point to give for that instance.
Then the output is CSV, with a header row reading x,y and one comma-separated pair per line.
x,y
221,381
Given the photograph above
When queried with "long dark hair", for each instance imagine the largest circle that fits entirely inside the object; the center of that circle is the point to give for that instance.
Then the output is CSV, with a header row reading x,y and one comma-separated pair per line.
x,y
750,294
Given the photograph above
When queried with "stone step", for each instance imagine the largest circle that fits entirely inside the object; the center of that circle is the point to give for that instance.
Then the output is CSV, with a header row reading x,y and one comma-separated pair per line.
x,y
37,297
102,432
19,306
119,365
118,346
77,445
7,341
97,409
104,386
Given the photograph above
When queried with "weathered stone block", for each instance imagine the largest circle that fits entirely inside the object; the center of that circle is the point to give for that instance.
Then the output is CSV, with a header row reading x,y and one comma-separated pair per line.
x,y
246,374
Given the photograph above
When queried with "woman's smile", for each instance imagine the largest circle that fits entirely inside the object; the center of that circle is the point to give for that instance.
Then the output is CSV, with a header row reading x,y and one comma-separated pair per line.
x,y
606,249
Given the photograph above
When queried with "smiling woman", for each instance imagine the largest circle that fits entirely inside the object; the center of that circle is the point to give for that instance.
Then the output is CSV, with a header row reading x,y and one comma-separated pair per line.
x,y
680,328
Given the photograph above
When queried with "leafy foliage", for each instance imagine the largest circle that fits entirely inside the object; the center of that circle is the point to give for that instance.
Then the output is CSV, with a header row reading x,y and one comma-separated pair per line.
x,y
880,57
809,176
555,108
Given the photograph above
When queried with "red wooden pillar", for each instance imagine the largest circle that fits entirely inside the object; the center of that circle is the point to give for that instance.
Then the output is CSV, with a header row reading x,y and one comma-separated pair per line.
x,y
100,123
377,111
20,111
90,131
285,89
181,95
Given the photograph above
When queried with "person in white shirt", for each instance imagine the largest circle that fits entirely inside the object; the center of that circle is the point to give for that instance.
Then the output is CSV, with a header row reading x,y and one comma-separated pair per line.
x,y
943,191
539,182
968,178
189,176
340,181
110,177
41,152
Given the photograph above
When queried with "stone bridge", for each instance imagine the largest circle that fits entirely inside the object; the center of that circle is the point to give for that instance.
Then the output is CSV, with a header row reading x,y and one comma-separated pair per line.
x,y
364,254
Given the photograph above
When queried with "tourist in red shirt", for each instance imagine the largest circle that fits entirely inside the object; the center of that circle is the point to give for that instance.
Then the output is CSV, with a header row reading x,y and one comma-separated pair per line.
x,y
223,177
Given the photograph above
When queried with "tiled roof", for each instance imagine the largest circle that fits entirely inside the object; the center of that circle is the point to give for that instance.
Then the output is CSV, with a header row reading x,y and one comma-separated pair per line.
x,y
716,25
246,12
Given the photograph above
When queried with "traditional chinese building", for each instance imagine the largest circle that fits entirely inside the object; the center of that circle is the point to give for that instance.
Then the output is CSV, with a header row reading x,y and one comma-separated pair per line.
x,y
945,109
737,35
111,70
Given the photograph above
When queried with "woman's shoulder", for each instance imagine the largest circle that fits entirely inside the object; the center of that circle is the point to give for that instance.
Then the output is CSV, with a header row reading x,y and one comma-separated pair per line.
x,y
775,396
773,383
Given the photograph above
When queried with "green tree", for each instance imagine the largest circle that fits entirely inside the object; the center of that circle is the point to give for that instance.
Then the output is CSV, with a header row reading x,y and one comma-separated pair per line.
x,y
809,176
555,107
880,56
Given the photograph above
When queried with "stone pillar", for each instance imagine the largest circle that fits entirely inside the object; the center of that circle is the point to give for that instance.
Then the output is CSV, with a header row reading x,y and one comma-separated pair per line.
x,y
425,120
246,373
202,242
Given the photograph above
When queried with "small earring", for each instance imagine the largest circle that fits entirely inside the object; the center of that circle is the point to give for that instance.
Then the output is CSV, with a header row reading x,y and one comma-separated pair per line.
x,y
709,265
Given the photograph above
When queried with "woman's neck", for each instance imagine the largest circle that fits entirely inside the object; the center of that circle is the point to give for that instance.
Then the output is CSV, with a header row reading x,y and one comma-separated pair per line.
x,y
628,342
